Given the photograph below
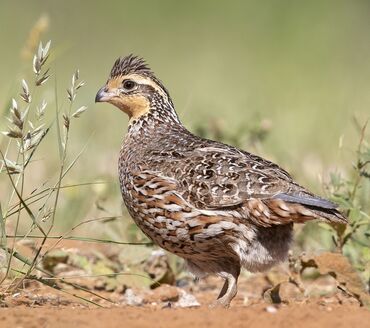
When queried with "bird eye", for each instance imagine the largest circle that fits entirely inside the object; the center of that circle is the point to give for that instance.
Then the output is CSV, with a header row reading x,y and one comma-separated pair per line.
x,y
129,85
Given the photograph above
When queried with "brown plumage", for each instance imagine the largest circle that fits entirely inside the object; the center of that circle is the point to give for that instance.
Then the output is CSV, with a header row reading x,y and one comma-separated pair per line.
x,y
218,207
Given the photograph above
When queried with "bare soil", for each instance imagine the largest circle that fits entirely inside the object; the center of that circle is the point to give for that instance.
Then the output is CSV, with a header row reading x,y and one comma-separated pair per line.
x,y
296,315
322,301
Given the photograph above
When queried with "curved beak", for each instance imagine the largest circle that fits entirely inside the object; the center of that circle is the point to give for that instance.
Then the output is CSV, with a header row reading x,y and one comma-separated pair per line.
x,y
103,95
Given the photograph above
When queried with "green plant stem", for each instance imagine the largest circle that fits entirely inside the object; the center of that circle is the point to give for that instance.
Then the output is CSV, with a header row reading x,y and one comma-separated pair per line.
x,y
358,175
55,286
40,193
85,239
28,211
26,275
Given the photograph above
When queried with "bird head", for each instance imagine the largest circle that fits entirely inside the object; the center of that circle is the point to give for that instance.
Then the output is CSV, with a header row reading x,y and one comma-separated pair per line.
x,y
134,89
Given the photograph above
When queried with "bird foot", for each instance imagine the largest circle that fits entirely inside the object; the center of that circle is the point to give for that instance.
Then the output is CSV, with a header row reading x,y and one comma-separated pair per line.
x,y
220,304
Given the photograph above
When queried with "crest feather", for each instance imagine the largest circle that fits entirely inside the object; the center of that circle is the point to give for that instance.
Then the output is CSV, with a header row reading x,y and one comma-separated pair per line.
x,y
130,64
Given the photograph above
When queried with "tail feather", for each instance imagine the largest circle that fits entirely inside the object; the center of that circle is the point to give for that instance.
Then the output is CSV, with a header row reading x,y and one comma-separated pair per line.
x,y
331,215
323,208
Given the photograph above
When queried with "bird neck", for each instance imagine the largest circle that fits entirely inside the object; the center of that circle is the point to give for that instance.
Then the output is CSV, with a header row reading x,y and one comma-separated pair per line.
x,y
157,120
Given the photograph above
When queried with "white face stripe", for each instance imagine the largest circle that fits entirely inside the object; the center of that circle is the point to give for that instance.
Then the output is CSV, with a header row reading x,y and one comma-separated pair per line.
x,y
139,79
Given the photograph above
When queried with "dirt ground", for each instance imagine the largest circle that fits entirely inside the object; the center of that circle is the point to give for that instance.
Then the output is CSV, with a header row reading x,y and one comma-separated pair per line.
x,y
43,308
297,315
323,299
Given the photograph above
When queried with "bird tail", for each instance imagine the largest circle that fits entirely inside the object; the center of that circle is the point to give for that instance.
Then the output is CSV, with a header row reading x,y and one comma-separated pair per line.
x,y
321,207
332,215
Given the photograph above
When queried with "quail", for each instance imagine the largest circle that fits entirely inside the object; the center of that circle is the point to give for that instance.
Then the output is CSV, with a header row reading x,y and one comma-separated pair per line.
x,y
218,207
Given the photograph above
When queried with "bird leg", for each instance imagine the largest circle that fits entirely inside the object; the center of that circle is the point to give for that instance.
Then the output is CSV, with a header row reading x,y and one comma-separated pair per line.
x,y
229,289
224,289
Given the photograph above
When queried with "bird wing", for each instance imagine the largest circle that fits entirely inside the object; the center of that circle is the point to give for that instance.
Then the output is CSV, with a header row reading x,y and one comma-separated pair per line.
x,y
218,177
228,179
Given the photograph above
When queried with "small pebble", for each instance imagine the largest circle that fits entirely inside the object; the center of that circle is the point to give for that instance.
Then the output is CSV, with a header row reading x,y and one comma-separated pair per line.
x,y
271,309
186,300
131,299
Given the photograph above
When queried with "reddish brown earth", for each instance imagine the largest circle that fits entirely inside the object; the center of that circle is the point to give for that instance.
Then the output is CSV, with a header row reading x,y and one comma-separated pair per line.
x,y
41,307
295,315
322,301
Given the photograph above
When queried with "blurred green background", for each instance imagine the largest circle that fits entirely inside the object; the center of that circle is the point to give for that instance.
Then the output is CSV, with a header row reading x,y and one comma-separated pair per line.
x,y
300,69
